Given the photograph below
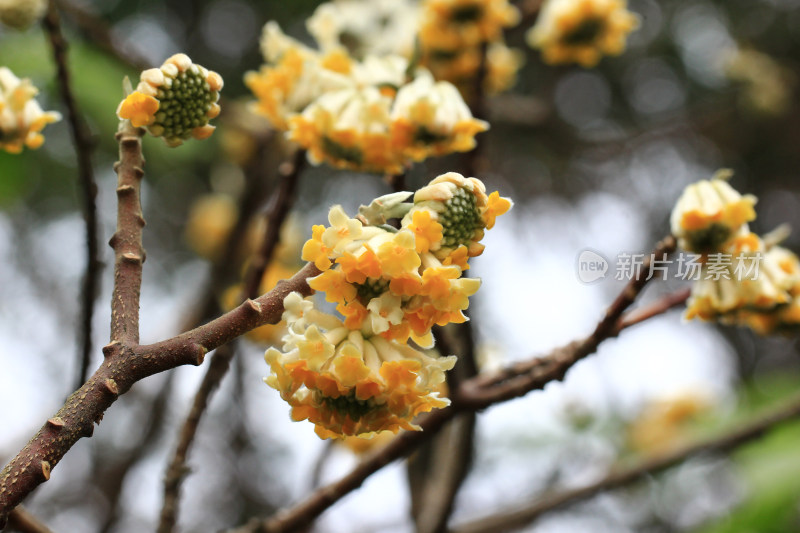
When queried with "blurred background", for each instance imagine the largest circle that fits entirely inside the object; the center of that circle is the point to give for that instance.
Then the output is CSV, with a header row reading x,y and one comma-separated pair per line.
x,y
593,159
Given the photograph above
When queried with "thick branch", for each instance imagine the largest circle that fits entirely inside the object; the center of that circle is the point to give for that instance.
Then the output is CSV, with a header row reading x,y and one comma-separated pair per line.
x,y
83,147
127,240
122,368
519,517
474,394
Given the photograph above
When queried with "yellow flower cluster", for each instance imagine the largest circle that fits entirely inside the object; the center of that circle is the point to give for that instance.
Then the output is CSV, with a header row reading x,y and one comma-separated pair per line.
x,y
581,31
358,375
21,14
366,27
21,117
370,115
175,101
452,34
765,86
665,423
349,384
710,214
744,279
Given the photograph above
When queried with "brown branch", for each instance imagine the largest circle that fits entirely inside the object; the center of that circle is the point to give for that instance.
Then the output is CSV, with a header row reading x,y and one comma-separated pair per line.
x,y
534,374
126,362
177,469
283,200
660,306
129,254
519,517
208,305
474,394
112,466
99,33
81,137
124,366
396,181
529,11
23,521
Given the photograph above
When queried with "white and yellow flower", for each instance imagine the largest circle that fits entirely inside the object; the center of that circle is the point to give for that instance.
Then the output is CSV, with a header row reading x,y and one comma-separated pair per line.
x,y
366,27
21,117
350,129
346,383
430,118
710,214
581,31
21,14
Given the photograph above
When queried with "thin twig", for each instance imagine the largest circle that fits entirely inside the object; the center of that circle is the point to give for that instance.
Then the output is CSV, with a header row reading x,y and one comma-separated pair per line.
x,y
283,199
81,137
221,272
474,394
521,516
396,181
99,33
177,469
23,521
520,379
529,11
660,306
228,265
319,464
110,472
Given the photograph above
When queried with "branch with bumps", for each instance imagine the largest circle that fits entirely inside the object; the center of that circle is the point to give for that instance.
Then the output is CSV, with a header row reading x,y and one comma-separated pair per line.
x,y
127,362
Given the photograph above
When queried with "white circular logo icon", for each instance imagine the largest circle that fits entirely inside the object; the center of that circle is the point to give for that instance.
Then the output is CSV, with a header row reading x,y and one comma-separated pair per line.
x,y
591,266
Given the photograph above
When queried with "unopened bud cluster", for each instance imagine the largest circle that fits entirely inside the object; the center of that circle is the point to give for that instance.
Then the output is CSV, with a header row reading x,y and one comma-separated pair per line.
x,y
175,101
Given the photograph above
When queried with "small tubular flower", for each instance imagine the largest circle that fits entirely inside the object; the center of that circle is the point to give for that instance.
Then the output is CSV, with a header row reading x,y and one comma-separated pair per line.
x,y
427,231
175,101
347,383
581,31
21,117
431,119
710,214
